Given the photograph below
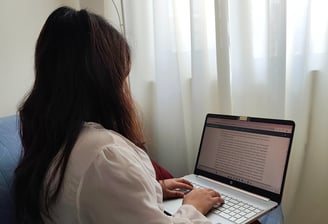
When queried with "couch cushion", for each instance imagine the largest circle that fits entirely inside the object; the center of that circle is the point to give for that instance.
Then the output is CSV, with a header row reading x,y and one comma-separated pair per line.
x,y
10,150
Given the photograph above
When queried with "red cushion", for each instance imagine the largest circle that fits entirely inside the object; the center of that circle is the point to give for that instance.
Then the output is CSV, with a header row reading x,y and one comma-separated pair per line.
x,y
161,173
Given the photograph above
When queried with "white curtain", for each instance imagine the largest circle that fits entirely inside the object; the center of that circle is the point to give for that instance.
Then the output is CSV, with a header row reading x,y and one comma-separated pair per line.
x,y
174,76
263,58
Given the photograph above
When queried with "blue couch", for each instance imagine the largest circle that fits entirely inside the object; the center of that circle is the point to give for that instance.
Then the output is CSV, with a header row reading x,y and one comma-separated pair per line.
x,y
10,149
10,152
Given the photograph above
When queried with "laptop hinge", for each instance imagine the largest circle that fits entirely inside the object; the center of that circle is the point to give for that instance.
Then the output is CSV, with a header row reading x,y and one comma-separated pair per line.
x,y
234,188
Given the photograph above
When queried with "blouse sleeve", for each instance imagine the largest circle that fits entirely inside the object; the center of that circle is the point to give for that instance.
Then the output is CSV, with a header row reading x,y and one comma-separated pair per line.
x,y
118,188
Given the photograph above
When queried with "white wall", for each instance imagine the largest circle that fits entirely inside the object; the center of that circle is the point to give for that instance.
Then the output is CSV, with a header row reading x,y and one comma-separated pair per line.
x,y
20,24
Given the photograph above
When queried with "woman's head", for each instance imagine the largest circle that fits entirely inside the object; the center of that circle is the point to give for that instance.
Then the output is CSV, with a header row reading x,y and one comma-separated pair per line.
x,y
81,69
81,63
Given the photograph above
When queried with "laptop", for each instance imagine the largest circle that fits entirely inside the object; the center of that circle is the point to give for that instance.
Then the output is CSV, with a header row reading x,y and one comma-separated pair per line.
x,y
245,159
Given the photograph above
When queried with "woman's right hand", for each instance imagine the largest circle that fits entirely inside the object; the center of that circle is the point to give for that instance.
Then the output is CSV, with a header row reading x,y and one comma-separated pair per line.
x,y
202,199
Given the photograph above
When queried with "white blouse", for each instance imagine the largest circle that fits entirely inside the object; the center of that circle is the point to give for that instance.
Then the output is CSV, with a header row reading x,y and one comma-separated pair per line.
x,y
110,180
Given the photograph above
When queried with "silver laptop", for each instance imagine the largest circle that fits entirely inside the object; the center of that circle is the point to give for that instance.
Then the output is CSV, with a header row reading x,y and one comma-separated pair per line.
x,y
245,159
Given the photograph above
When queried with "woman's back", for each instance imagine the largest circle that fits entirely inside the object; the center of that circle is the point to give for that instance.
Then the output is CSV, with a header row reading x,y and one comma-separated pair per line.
x,y
110,180
102,163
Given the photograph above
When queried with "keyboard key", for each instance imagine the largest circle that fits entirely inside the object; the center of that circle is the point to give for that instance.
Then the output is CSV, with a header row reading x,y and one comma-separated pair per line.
x,y
242,213
250,214
232,219
241,220
257,210
225,215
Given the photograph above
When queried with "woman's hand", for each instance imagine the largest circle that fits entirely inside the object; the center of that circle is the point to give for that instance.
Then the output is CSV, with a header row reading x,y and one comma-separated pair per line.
x,y
202,199
173,188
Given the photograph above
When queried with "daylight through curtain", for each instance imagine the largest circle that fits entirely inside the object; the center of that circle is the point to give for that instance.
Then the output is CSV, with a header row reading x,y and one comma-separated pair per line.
x,y
263,58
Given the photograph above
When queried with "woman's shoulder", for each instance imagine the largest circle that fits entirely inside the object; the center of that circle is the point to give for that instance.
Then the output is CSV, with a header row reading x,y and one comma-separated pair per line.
x,y
94,140
95,137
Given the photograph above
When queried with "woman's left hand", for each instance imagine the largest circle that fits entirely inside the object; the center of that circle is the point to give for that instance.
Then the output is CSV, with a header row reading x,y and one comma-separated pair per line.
x,y
175,187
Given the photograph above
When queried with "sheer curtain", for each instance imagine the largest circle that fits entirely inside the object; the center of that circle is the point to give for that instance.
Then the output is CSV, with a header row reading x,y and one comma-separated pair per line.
x,y
263,58
174,76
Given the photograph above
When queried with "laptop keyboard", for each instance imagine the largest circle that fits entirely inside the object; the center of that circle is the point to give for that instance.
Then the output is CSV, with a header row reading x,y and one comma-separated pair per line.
x,y
234,209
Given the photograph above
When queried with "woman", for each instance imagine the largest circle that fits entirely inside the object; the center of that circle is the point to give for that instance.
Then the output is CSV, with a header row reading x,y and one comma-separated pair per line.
x,y
83,158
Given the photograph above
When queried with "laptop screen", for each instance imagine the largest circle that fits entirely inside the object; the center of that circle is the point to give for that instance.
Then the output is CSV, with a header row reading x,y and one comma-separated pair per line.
x,y
245,151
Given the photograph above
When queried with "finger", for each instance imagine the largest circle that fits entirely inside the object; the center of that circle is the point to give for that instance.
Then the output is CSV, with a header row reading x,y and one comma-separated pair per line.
x,y
173,193
217,193
214,193
219,200
183,186
185,181
181,180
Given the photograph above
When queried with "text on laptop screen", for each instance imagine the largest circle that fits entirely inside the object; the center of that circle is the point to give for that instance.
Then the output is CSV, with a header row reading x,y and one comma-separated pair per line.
x,y
249,152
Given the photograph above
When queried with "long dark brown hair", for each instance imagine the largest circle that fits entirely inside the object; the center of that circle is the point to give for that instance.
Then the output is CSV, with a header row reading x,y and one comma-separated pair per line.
x,y
81,69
